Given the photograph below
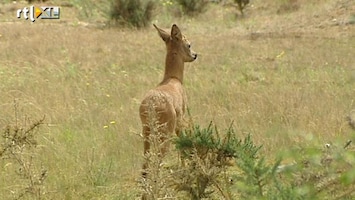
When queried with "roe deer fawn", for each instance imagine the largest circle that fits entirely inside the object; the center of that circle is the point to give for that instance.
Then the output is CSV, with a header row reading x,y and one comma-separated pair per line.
x,y
167,100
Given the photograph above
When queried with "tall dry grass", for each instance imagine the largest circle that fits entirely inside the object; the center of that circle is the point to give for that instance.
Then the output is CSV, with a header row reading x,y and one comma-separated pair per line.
x,y
287,82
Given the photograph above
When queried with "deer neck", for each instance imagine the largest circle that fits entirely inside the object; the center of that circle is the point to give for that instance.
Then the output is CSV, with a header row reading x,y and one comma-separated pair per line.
x,y
174,67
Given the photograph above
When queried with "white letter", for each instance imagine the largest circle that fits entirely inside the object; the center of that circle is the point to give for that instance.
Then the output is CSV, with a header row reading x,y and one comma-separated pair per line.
x,y
19,11
32,13
25,12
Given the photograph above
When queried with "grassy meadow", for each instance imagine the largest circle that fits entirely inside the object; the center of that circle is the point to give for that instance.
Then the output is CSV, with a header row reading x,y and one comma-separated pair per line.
x,y
286,78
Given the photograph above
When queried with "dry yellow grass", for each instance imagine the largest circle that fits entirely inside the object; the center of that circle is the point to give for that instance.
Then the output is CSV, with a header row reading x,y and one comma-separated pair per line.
x,y
288,79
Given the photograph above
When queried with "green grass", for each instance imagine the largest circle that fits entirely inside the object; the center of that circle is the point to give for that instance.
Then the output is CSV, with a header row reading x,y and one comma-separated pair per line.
x,y
281,79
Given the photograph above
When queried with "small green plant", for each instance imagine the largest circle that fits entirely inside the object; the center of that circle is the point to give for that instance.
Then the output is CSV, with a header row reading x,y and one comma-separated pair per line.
x,y
135,13
98,174
192,7
254,174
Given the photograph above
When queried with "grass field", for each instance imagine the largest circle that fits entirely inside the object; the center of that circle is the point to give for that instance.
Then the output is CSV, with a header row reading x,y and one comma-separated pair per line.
x,y
286,78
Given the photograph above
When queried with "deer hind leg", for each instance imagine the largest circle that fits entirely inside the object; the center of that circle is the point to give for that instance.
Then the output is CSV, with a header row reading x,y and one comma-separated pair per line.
x,y
146,148
166,130
146,138
179,127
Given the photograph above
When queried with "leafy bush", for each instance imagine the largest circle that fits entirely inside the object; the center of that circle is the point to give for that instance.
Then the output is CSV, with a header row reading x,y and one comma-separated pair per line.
x,y
192,7
206,155
241,4
209,155
136,13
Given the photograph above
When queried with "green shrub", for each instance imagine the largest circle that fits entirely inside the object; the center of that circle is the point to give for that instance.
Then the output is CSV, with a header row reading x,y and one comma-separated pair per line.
x,y
205,155
241,4
135,13
192,7
208,155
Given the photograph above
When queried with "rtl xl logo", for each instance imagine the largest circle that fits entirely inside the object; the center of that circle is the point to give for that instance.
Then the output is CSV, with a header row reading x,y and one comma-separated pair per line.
x,y
43,12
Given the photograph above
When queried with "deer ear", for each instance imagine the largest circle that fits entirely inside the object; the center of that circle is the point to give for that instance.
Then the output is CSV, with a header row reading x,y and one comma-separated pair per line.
x,y
176,33
164,35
